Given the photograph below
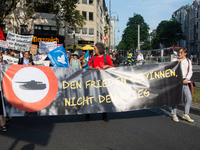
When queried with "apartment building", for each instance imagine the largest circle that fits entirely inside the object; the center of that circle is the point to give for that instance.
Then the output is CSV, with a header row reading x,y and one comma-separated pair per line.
x,y
43,26
188,16
97,24
182,16
194,32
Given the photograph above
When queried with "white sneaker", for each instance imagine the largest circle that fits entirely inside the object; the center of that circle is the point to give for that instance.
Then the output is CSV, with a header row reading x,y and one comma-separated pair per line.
x,y
175,118
187,117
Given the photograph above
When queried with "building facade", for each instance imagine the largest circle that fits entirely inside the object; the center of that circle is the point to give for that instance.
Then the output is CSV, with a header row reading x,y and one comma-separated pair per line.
x,y
182,16
42,27
188,16
97,24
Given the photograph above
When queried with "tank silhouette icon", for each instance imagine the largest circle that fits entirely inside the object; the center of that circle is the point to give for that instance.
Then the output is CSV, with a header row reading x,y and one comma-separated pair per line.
x,y
32,85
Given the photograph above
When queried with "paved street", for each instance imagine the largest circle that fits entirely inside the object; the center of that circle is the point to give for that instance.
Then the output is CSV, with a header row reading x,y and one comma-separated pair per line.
x,y
144,129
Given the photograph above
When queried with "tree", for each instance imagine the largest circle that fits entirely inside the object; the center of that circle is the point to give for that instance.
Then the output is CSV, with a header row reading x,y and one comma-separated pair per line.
x,y
120,47
6,6
130,34
146,45
169,32
155,43
67,11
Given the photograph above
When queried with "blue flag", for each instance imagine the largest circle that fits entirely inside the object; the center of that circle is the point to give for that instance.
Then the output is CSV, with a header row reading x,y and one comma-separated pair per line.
x,y
86,60
58,57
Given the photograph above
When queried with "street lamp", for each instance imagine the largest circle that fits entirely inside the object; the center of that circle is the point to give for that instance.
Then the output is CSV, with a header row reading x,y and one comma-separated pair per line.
x,y
114,36
110,17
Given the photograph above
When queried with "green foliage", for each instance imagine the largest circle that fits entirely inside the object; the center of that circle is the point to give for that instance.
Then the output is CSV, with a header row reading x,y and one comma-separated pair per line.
x,y
6,6
169,32
130,35
155,43
146,45
67,11
120,47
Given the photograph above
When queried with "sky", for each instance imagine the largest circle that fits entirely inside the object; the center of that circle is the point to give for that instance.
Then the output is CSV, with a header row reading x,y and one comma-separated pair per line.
x,y
153,12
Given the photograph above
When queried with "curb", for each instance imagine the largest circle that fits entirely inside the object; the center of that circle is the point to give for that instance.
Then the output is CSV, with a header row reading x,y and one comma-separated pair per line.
x,y
193,110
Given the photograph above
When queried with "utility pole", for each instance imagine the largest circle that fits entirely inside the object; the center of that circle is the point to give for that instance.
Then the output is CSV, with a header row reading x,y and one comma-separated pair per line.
x,y
138,37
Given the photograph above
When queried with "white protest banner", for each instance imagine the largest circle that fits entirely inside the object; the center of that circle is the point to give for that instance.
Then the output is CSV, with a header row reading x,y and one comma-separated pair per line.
x,y
10,59
19,42
3,44
42,63
47,46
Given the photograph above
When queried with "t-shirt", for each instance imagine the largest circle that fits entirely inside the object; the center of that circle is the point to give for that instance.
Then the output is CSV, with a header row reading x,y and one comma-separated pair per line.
x,y
99,61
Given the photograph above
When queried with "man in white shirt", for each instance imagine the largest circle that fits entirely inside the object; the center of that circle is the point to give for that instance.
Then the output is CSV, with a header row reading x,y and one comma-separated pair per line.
x,y
43,56
186,91
140,58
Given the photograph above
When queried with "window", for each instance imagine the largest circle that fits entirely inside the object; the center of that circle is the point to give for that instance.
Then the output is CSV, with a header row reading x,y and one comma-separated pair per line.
x,y
91,2
78,1
197,14
91,31
84,13
197,36
197,25
77,32
101,36
90,16
70,31
84,32
101,24
101,12
84,1
97,33
46,30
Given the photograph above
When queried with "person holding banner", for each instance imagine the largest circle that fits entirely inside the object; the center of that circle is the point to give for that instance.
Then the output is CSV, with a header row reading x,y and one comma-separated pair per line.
x,y
186,67
100,60
75,62
43,56
2,119
26,60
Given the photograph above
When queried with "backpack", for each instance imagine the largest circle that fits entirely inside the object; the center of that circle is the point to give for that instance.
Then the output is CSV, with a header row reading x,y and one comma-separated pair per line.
x,y
104,58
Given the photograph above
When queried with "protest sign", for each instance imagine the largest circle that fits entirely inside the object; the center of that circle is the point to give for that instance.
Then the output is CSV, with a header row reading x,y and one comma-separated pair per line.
x,y
47,46
58,57
3,44
42,63
10,59
19,42
65,91
60,45
33,49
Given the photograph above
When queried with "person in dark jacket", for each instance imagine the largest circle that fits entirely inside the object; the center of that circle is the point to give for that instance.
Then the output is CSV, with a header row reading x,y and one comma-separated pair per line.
x,y
26,60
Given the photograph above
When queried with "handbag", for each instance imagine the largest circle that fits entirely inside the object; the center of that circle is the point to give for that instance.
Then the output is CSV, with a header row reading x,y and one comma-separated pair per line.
x,y
191,84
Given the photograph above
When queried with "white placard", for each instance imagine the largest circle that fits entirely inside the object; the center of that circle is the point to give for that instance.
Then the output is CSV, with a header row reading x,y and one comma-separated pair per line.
x,y
42,63
19,42
47,46
10,59
3,44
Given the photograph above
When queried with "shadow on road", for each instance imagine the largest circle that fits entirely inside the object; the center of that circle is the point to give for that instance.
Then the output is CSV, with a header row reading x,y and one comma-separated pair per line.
x,y
37,129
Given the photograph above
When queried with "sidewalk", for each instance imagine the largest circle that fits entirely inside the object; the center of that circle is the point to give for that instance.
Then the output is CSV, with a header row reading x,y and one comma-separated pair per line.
x,y
194,109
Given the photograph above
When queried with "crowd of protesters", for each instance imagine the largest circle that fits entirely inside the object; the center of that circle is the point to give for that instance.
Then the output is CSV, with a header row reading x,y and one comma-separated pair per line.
x,y
99,60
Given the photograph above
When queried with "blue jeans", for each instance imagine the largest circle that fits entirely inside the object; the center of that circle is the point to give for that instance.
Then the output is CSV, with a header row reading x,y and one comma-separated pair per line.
x,y
188,99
